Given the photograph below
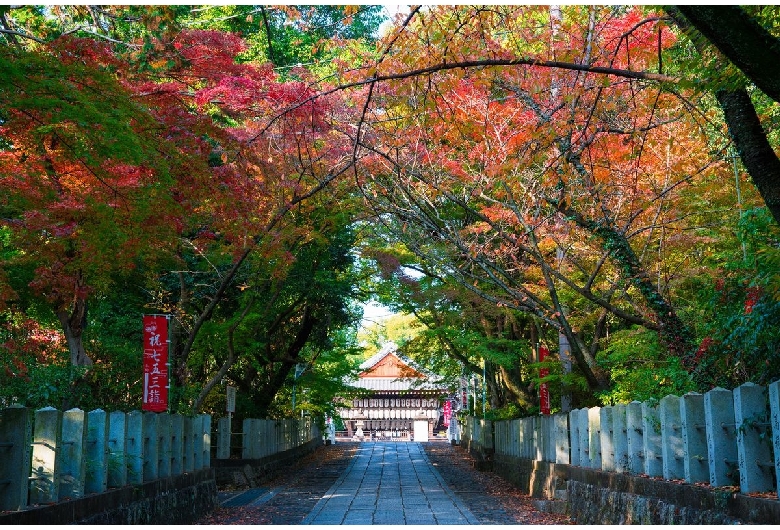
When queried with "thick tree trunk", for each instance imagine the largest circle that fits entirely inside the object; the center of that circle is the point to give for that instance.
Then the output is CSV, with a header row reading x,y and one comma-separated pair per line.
x,y
752,145
742,39
515,388
72,322
496,396
757,53
279,377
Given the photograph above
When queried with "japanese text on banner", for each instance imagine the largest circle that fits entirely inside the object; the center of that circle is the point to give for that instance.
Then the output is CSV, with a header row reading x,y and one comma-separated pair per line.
x,y
155,363
544,390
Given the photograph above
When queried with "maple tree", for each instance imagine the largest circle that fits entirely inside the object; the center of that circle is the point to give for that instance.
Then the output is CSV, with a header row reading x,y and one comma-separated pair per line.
x,y
553,173
219,186
76,194
433,192
494,173
283,163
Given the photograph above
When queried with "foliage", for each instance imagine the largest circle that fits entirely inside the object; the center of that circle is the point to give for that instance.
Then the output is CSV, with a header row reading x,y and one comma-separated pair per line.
x,y
292,36
740,342
398,328
506,175
640,370
35,372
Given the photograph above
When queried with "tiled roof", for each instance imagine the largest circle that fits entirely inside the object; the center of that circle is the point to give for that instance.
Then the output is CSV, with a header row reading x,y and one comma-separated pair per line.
x,y
431,382
386,350
393,384
391,348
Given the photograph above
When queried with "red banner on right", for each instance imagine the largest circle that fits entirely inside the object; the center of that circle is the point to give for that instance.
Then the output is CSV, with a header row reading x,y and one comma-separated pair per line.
x,y
544,391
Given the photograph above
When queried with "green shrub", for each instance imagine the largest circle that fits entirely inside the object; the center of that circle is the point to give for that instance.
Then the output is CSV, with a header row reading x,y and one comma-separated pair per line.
x,y
638,369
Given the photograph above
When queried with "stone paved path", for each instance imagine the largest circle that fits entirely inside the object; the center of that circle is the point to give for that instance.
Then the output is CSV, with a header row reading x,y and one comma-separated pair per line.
x,y
390,483
382,483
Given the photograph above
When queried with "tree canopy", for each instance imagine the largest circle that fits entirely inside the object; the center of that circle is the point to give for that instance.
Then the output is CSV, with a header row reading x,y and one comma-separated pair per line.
x,y
598,180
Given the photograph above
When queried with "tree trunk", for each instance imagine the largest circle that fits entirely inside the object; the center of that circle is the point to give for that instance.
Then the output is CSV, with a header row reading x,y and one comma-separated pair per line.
x,y
225,366
752,145
514,386
756,52
73,322
494,388
278,378
738,36
674,335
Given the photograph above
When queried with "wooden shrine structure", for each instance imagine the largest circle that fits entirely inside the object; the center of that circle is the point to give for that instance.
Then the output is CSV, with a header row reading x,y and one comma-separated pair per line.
x,y
402,395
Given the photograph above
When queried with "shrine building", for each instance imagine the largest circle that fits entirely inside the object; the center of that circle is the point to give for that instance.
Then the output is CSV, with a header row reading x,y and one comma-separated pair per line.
x,y
404,402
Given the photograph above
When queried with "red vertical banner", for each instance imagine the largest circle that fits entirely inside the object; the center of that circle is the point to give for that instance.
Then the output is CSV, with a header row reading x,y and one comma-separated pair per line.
x,y
447,413
544,391
155,363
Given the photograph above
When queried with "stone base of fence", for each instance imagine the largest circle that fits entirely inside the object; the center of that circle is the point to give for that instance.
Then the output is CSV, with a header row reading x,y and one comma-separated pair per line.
x,y
242,473
538,479
599,497
176,500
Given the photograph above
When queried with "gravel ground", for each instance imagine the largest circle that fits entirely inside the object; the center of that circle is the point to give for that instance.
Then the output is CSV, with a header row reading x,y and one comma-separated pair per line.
x,y
287,499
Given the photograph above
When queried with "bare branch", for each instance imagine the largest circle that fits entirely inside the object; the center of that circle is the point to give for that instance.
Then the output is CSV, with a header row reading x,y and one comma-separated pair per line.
x,y
20,34
481,63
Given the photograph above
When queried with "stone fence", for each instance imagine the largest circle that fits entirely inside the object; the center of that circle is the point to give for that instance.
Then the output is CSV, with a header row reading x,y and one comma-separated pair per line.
x,y
48,456
52,455
727,439
261,438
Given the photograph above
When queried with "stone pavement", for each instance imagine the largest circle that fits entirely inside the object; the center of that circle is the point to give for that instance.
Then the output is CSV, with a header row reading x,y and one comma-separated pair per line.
x,y
390,483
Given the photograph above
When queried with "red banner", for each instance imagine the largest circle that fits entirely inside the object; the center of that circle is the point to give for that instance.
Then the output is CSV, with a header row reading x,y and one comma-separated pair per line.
x,y
155,363
447,413
544,391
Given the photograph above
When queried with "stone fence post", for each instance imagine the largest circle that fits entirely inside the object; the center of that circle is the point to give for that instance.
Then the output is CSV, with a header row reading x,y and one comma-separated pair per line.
x,y
246,439
562,439
151,441
594,437
721,436
117,450
751,416
620,438
177,444
583,435
671,438
528,438
694,434
206,441
223,438
607,438
651,431
45,480
96,452
487,435
635,438
774,407
188,464
73,469
15,454
197,442
574,439
538,432
134,447
164,446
